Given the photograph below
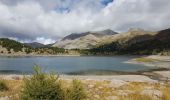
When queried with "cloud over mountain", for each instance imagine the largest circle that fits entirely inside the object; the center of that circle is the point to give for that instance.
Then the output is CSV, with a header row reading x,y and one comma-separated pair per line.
x,y
48,20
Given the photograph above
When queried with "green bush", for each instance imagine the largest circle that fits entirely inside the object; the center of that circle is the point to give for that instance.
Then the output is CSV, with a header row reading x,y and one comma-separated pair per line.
x,y
42,86
76,91
3,85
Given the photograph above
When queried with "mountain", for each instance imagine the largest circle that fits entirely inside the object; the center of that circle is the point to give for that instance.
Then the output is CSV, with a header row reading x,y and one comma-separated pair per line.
x,y
35,45
95,33
85,40
136,42
105,32
131,36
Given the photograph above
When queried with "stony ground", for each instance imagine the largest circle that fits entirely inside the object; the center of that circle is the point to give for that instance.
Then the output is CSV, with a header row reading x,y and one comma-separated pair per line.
x,y
109,89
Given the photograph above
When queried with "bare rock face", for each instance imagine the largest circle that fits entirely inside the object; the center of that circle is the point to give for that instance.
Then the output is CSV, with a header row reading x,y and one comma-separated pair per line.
x,y
84,40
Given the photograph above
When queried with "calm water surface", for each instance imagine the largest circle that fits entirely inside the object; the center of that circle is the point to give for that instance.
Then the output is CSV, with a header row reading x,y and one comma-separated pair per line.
x,y
66,65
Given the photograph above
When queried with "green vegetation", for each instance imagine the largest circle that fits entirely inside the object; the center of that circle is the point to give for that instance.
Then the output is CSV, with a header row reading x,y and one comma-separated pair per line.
x,y
42,86
76,91
12,44
140,48
143,59
3,85
50,50
20,47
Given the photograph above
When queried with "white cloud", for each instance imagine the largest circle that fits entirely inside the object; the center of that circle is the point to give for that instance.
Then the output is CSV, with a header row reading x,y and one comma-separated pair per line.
x,y
44,40
44,21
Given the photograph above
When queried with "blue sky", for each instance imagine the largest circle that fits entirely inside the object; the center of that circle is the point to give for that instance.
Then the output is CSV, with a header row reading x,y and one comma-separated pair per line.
x,y
106,2
46,21
67,5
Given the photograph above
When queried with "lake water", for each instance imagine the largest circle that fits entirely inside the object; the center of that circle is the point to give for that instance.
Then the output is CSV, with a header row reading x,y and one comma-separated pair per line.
x,y
66,65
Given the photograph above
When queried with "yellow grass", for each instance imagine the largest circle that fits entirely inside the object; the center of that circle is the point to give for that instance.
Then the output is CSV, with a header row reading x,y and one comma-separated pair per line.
x,y
130,91
14,89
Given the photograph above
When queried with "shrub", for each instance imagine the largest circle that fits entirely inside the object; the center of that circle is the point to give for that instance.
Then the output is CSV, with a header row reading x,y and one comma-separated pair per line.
x,y
42,86
76,91
3,85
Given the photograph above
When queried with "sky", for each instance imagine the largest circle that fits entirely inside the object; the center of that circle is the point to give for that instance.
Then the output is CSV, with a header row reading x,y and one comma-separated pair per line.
x,y
47,21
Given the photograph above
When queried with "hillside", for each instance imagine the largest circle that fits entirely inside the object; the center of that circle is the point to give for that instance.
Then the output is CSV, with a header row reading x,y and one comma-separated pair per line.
x,y
34,45
12,47
8,46
138,42
85,40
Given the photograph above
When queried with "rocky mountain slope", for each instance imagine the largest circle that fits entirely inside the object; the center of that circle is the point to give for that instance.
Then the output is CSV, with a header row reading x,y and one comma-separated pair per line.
x,y
85,40
90,40
136,42
133,35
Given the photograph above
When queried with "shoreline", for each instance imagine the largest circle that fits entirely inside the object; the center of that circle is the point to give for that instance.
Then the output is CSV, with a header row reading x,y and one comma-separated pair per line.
x,y
128,78
34,55
155,74
56,55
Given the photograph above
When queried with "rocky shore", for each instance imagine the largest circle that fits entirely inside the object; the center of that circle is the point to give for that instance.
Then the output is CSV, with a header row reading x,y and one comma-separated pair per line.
x,y
156,62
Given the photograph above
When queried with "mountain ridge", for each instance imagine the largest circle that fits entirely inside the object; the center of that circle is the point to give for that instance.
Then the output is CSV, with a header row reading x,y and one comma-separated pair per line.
x,y
84,40
144,43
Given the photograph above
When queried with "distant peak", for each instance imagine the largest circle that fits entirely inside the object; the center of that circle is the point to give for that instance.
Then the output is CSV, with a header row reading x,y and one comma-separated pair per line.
x,y
135,29
105,32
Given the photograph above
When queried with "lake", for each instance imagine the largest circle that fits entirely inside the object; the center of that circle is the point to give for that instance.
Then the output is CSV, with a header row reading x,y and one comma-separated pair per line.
x,y
68,65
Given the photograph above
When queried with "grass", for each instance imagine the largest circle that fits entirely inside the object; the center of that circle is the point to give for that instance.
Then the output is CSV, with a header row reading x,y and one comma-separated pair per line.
x,y
131,91
143,59
166,91
136,96
3,86
14,88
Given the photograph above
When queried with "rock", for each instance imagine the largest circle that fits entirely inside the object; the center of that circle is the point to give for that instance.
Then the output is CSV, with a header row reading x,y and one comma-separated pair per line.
x,y
4,98
90,86
117,83
124,92
96,96
156,94
112,98
100,87
16,78
148,87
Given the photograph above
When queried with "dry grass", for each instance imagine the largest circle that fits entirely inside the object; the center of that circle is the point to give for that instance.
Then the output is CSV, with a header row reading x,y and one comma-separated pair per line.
x,y
136,96
166,92
14,89
101,90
